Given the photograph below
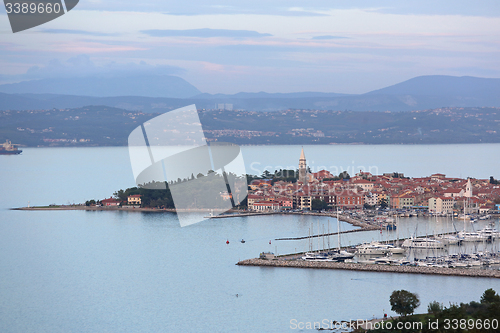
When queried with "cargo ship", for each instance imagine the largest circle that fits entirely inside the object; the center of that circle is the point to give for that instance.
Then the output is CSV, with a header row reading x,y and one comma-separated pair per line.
x,y
9,148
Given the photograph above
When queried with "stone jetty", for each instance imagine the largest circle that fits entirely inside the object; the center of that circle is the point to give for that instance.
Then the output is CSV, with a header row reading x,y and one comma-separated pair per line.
x,y
372,268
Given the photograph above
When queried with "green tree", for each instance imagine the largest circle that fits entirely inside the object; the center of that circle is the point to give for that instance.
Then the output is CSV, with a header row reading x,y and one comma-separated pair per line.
x,y
266,174
383,203
344,175
404,302
435,307
120,195
318,204
490,296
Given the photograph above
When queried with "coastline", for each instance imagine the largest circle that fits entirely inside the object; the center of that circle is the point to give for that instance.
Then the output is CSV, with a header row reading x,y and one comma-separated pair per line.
x,y
353,221
94,208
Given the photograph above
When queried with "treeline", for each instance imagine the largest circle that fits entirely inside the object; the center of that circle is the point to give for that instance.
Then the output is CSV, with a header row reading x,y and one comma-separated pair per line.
x,y
473,317
189,193
158,198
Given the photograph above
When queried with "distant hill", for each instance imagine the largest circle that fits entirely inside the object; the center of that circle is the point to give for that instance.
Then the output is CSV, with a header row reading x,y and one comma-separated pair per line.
x,y
442,85
107,126
420,93
139,85
245,95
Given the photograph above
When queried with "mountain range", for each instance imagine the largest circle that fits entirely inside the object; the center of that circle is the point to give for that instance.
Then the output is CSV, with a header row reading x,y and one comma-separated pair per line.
x,y
150,93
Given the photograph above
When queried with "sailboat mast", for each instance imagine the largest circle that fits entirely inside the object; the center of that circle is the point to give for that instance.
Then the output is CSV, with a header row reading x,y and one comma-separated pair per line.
x,y
323,237
328,235
397,230
318,235
338,228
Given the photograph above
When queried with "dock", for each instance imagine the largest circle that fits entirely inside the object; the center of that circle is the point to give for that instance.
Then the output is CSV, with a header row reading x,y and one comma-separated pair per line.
x,y
482,273
343,218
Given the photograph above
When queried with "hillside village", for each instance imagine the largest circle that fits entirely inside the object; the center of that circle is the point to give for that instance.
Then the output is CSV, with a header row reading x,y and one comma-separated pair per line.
x,y
436,193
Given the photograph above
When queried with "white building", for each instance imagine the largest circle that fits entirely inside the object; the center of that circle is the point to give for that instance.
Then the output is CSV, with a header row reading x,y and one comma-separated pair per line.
x,y
441,205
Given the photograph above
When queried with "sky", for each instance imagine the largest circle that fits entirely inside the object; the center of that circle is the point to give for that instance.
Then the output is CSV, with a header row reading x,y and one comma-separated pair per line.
x,y
251,46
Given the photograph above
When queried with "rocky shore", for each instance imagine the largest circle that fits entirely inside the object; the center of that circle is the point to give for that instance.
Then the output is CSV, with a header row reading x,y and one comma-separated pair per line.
x,y
372,268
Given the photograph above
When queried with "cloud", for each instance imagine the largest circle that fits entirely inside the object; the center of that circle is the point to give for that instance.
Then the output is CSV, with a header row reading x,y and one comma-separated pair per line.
x,y
205,33
488,8
83,66
328,37
76,32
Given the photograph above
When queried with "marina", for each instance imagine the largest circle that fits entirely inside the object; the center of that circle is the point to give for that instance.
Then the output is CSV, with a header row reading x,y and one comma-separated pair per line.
x,y
446,252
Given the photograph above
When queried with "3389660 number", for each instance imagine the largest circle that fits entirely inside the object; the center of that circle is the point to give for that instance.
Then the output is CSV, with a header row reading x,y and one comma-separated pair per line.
x,y
470,324
32,8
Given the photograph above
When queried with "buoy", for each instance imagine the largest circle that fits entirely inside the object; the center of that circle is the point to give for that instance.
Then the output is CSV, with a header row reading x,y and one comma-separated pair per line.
x,y
227,242
243,241
269,242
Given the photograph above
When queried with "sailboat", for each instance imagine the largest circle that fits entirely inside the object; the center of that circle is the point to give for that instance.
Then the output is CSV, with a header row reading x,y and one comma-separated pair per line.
x,y
339,254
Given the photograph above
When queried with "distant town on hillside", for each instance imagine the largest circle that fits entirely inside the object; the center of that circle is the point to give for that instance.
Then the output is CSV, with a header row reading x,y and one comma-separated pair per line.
x,y
108,126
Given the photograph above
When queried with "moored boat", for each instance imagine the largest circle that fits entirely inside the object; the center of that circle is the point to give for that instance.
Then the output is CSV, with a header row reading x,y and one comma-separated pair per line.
x,y
9,148
423,243
376,248
472,236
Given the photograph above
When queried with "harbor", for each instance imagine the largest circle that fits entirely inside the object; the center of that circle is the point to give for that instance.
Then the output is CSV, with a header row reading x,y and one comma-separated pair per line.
x,y
115,256
472,253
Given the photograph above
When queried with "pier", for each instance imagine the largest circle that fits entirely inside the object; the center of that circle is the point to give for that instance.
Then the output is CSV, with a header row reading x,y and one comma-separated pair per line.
x,y
353,221
320,235
371,268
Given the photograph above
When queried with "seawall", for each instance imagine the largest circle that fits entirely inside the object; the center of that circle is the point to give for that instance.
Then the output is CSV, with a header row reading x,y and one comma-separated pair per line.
x,y
372,268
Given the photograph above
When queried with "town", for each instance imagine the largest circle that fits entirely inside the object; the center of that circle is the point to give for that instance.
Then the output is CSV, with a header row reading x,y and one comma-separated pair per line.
x,y
436,194
303,190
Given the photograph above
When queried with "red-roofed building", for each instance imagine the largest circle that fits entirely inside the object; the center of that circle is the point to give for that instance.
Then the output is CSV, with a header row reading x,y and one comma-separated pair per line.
x,y
110,202
366,185
453,192
441,205
350,200
285,203
320,175
438,176
265,205
134,199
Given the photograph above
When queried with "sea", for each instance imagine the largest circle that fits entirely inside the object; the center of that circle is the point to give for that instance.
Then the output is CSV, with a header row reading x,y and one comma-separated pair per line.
x,y
109,271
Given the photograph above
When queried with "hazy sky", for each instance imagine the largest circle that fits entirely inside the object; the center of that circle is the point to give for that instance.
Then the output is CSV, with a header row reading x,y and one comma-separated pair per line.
x,y
274,46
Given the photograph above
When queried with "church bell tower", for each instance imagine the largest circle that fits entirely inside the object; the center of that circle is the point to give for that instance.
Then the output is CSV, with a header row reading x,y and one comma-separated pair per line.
x,y
302,168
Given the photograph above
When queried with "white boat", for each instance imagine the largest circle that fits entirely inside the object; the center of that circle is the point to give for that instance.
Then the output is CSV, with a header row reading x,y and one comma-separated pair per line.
x,y
373,248
489,233
423,243
448,239
340,255
376,248
384,261
315,257
378,261
395,250
472,236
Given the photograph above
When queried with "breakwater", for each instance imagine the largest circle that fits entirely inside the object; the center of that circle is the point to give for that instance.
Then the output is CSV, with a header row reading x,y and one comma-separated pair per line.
x,y
321,235
372,268
351,220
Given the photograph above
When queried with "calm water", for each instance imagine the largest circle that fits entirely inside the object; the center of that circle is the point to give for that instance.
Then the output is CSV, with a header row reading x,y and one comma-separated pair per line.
x,y
75,271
